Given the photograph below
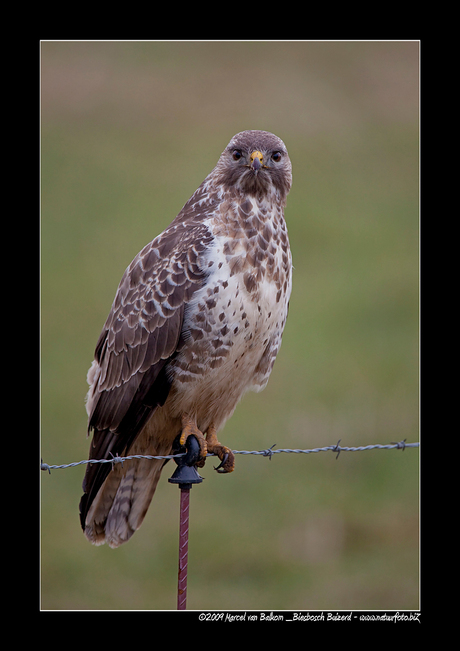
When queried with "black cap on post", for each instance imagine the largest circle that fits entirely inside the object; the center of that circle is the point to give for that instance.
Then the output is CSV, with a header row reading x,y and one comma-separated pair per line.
x,y
186,474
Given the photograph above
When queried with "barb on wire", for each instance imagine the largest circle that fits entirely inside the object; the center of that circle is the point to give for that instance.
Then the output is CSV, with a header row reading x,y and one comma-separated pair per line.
x,y
269,452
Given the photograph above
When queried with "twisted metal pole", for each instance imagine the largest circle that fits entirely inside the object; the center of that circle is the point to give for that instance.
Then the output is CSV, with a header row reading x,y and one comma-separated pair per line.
x,y
183,548
185,476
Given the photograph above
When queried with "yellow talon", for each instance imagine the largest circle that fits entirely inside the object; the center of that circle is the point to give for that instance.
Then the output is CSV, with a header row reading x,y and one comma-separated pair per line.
x,y
226,456
190,428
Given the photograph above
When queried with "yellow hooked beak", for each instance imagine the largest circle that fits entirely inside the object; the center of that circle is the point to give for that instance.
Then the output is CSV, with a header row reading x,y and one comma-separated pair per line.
x,y
256,160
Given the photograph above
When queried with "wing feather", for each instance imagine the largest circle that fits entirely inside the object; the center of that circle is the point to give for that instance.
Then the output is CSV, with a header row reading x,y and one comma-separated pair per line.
x,y
140,336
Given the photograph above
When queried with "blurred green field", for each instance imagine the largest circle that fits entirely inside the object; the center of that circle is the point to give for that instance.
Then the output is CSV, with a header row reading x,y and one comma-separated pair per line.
x,y
128,131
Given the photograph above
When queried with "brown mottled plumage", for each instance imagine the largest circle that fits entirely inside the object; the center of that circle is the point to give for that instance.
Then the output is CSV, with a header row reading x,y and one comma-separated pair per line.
x,y
196,322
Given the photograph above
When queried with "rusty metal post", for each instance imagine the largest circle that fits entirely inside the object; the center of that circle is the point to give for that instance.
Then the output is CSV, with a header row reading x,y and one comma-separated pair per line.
x,y
183,549
185,476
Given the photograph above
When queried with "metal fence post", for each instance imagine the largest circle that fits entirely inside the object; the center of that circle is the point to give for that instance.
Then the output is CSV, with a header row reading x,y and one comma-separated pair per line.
x,y
185,475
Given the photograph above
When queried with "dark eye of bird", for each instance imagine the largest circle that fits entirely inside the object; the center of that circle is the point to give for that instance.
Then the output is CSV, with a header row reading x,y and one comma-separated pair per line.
x,y
237,154
276,156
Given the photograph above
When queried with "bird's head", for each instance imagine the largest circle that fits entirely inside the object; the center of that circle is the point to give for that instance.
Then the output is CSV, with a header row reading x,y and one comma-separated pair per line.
x,y
256,163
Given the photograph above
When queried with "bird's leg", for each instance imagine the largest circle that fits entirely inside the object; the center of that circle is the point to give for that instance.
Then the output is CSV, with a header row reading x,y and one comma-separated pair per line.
x,y
189,427
225,455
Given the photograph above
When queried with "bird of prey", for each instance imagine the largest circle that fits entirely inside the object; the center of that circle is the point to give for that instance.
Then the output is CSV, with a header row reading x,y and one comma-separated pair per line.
x,y
196,322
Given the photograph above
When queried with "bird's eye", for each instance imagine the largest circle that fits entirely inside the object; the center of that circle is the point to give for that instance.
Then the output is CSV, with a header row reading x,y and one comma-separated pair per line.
x,y
276,156
237,153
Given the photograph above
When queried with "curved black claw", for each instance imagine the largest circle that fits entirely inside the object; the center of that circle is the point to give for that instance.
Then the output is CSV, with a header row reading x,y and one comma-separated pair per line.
x,y
220,468
227,460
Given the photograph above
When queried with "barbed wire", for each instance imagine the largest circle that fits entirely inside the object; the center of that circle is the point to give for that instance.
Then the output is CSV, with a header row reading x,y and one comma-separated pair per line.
x,y
268,452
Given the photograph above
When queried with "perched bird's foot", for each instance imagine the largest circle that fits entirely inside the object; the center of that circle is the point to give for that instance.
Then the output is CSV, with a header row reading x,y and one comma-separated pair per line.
x,y
226,456
189,428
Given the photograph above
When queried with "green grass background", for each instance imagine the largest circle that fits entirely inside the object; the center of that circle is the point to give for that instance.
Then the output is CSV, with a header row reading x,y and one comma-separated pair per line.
x,y
128,131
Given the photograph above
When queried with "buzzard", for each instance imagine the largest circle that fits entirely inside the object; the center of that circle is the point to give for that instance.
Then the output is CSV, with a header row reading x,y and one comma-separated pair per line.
x,y
196,322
